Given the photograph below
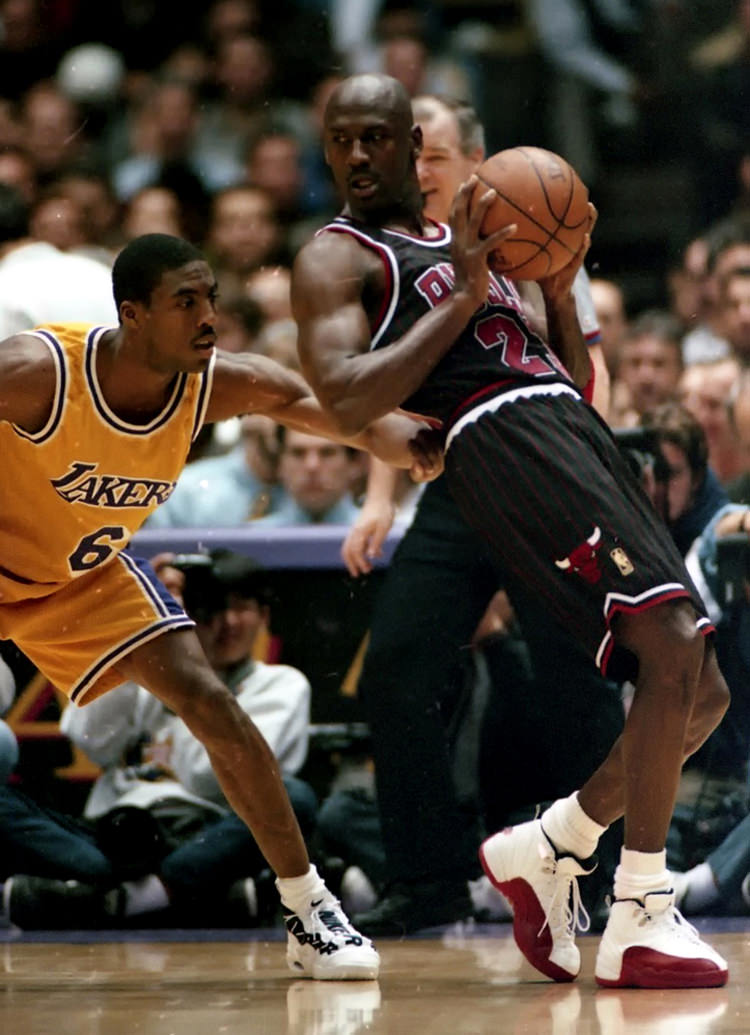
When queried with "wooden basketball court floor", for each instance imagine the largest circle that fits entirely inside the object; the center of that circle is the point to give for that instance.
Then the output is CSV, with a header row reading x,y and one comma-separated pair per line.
x,y
460,980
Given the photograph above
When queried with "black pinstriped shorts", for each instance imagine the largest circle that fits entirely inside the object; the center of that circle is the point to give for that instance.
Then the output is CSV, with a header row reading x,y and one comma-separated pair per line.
x,y
541,478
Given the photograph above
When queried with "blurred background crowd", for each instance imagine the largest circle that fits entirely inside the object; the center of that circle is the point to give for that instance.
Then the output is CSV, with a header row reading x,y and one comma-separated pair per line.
x,y
203,119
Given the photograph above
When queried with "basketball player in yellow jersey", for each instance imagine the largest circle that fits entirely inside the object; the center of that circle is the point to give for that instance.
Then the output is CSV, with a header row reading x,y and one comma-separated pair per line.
x,y
95,426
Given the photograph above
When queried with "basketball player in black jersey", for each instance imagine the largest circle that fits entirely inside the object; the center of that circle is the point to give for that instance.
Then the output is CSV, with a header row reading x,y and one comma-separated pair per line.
x,y
418,664
393,311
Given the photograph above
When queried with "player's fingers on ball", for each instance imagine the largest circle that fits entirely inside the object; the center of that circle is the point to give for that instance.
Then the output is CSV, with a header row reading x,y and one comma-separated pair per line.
x,y
498,236
482,204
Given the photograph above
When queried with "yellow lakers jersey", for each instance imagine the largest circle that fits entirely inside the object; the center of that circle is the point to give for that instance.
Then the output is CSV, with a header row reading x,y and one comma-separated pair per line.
x,y
74,492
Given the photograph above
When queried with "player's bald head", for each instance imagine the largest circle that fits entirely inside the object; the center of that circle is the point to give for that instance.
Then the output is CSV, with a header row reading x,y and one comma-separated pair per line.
x,y
374,94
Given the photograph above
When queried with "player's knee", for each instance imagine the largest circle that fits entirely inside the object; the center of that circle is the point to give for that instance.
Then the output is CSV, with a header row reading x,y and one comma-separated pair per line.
x,y
670,650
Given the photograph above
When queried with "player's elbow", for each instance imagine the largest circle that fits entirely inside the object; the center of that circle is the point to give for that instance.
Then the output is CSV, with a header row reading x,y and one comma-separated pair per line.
x,y
346,412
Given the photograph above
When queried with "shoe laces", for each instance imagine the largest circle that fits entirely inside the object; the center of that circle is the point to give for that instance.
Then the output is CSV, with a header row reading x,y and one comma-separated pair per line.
x,y
566,912
330,916
668,917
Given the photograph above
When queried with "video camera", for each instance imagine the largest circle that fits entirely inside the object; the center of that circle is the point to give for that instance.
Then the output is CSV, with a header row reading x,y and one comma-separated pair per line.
x,y
733,569
641,449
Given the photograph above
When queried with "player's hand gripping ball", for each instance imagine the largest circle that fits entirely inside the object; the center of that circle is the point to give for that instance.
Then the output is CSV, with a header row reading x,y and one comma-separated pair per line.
x,y
540,192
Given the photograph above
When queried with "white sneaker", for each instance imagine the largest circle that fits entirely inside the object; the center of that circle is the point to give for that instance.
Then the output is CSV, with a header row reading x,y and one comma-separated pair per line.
x,y
649,944
542,888
322,944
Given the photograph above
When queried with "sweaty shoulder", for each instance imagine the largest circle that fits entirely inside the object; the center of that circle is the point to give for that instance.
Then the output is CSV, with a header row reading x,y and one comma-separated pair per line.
x,y
332,262
28,379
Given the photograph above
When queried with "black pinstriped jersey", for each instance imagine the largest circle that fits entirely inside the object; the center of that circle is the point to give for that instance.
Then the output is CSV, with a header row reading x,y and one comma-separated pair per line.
x,y
497,350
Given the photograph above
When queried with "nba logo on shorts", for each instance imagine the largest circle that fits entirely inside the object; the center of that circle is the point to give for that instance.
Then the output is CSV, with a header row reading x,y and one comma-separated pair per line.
x,y
622,561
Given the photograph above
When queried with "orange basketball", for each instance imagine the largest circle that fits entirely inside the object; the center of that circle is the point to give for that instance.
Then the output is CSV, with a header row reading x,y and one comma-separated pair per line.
x,y
540,192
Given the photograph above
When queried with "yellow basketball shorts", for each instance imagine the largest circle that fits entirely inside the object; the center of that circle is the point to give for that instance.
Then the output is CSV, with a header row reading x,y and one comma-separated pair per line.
x,y
76,635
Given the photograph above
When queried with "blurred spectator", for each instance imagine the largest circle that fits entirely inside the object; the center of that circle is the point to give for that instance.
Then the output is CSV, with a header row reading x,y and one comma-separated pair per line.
x,y
30,48
17,169
317,476
721,65
705,390
650,361
246,97
279,341
228,18
166,132
691,302
144,33
609,305
100,211
319,187
738,488
58,220
688,492
243,235
239,322
723,247
734,311
157,830
586,45
39,283
53,130
273,162
153,210
406,56
269,288
227,491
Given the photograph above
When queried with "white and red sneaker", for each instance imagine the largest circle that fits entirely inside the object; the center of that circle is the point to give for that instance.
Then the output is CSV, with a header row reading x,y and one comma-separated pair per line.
x,y
542,888
649,944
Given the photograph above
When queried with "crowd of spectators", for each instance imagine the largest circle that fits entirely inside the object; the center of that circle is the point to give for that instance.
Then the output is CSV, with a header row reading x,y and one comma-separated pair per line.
x,y
204,120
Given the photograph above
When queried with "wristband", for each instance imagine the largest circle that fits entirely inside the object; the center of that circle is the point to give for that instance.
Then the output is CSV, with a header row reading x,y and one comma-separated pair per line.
x,y
588,391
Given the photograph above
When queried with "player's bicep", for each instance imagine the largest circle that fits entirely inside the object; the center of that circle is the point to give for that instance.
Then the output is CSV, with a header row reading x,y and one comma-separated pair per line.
x,y
327,284
246,382
28,381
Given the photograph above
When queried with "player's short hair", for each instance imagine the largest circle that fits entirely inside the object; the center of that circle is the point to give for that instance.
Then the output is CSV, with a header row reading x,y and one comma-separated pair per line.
x,y
142,263
470,129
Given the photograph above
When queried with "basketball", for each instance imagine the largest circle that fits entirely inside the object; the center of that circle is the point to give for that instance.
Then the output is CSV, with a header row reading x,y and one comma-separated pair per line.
x,y
540,192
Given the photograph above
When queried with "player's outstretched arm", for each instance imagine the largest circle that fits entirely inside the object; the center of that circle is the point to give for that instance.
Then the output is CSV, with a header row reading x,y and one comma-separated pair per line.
x,y
28,382
248,383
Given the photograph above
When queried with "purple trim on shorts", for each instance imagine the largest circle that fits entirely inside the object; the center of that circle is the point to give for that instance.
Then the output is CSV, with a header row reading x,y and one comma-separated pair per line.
x,y
84,684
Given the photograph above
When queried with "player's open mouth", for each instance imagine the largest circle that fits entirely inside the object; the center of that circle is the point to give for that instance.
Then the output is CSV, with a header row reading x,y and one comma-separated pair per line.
x,y
204,345
363,186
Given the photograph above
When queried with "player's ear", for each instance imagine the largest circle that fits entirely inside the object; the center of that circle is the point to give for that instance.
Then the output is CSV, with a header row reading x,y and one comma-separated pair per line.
x,y
128,313
416,141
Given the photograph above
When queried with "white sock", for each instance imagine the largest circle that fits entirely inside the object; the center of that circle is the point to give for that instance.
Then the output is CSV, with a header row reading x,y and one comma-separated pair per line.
x,y
144,895
640,873
570,829
296,892
701,889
